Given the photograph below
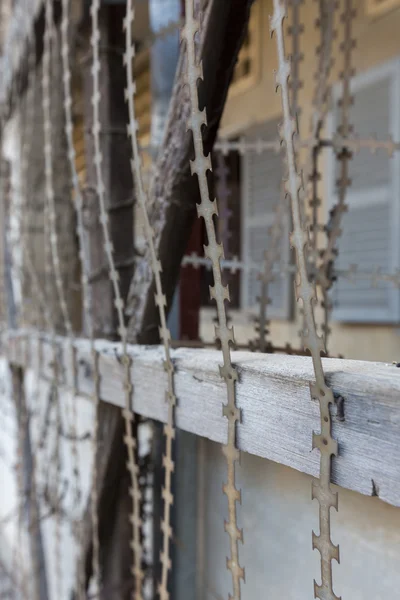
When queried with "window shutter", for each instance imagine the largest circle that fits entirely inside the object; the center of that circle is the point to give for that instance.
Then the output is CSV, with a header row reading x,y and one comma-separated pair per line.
x,y
370,228
262,180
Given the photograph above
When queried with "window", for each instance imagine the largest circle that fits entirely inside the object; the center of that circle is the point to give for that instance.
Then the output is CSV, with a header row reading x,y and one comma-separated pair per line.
x,y
370,228
254,182
229,220
261,191
247,69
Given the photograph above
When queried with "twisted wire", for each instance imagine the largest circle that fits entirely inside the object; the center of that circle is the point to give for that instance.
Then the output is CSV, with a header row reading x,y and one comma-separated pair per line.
x,y
51,230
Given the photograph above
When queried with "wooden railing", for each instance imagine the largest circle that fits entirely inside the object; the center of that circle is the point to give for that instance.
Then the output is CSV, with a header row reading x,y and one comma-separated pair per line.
x,y
273,393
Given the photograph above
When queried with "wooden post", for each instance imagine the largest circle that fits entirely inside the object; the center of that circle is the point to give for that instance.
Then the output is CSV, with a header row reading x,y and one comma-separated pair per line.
x,y
117,176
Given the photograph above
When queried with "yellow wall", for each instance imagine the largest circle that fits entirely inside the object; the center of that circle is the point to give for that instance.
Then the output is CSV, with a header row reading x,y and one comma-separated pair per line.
x,y
377,41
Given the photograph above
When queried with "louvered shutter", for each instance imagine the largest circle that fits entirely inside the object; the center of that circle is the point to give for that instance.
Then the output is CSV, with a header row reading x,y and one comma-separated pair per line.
x,y
262,179
370,228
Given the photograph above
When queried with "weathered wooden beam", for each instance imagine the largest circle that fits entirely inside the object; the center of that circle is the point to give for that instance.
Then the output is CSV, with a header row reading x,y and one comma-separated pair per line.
x,y
174,192
273,393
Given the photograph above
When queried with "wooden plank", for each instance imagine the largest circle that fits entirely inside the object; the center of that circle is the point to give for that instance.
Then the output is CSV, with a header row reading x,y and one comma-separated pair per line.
x,y
278,416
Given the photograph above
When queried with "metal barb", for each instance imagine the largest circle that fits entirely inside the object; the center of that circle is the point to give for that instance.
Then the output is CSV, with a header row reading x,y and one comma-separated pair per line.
x,y
220,293
161,303
87,308
129,439
305,292
51,230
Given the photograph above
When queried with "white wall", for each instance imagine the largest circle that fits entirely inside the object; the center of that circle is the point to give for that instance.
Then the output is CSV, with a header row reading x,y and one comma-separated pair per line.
x,y
13,548
277,516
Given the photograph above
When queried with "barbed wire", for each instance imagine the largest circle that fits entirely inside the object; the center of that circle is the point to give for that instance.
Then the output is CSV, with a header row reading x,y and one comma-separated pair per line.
x,y
128,415
353,273
333,227
305,292
318,264
295,30
87,312
352,143
161,302
214,251
49,50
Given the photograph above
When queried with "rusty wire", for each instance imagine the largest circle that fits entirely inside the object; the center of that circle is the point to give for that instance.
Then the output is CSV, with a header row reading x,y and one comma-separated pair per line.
x,y
87,309
295,30
352,143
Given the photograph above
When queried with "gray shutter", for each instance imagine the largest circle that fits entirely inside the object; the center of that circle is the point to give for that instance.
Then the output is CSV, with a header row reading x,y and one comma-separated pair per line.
x,y
262,179
370,227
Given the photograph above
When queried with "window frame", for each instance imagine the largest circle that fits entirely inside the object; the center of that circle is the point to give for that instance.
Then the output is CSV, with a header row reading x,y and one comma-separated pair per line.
x,y
379,72
283,313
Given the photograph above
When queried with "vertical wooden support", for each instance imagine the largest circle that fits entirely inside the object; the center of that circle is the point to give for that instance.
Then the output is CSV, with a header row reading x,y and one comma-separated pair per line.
x,y
116,169
35,188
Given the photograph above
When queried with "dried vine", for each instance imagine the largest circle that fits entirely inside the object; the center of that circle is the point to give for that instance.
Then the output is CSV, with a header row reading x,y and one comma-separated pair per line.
x,y
200,166
28,271
305,291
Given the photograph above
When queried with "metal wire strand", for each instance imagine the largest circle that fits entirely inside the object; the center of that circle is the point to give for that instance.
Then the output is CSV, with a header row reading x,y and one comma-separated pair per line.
x,y
87,310
220,293
129,439
161,302
50,221
305,292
